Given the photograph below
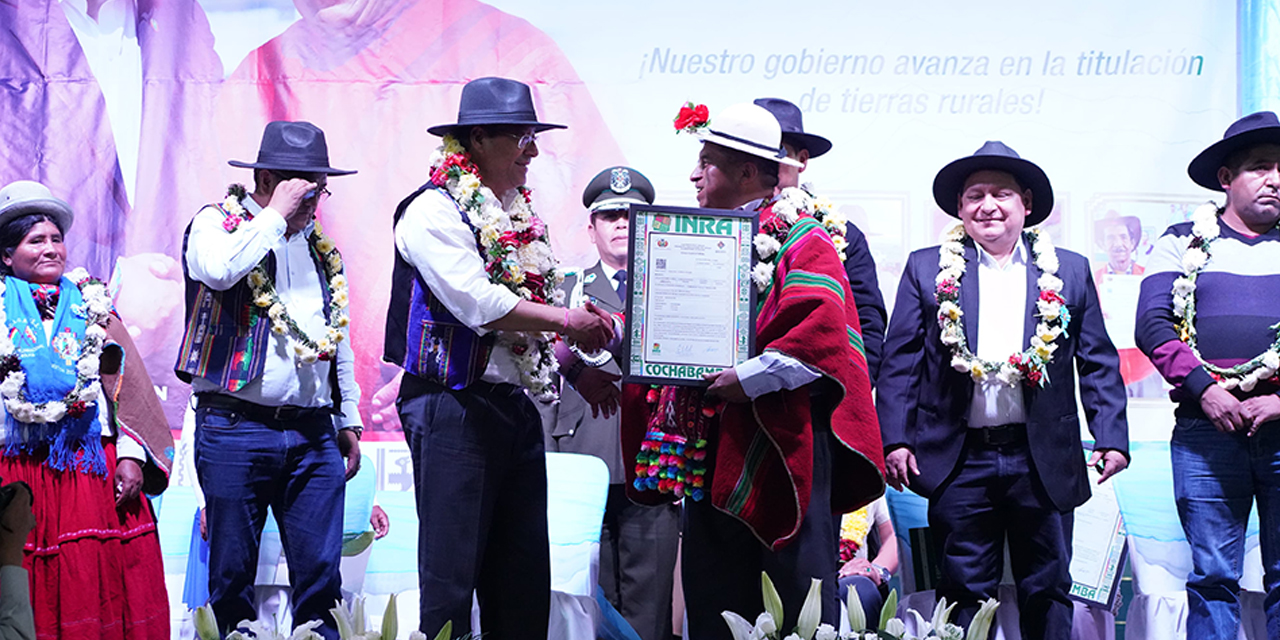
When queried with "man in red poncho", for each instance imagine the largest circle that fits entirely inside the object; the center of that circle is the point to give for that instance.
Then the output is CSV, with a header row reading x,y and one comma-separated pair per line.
x,y
773,485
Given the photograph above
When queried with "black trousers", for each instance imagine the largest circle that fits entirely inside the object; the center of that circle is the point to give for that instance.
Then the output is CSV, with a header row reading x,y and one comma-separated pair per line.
x,y
996,495
480,478
722,559
638,560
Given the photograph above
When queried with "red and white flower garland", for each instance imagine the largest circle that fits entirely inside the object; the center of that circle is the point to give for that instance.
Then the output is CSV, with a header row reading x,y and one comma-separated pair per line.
x,y
517,255
87,390
1029,366
306,350
788,206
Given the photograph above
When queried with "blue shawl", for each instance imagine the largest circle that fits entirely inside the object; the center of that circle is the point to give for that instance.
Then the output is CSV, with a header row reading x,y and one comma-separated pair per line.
x,y
50,367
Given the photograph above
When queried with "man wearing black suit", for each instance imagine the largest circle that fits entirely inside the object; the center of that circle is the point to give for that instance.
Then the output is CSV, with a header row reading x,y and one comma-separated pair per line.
x,y
976,393
637,542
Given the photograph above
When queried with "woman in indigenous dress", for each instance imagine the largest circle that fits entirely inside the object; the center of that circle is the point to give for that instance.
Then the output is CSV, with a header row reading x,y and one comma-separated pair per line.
x,y
83,427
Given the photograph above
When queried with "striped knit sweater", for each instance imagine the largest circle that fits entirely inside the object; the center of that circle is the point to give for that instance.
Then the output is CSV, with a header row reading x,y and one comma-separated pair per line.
x,y
1237,302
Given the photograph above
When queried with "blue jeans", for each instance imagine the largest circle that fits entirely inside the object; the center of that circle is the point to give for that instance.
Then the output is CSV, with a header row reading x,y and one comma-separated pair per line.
x,y
1216,477
293,466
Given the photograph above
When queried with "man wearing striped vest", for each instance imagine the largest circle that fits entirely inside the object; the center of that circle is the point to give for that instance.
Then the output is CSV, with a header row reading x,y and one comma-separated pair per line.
x,y
266,353
472,323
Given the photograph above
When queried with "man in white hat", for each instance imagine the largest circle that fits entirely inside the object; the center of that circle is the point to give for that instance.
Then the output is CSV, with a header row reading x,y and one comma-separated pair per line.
x,y
774,475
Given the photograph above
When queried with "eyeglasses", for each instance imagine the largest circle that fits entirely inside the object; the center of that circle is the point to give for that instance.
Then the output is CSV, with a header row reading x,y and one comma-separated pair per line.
x,y
322,193
523,140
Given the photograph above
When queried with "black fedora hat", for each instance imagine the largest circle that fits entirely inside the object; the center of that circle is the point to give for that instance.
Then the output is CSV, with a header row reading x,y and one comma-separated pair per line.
x,y
995,156
792,124
1255,128
495,101
296,147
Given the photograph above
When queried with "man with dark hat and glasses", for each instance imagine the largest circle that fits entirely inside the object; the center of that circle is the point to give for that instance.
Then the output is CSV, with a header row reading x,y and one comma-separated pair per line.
x,y
472,321
266,353
1207,319
977,391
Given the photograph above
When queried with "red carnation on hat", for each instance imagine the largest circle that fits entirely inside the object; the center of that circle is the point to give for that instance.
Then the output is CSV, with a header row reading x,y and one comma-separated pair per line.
x,y
692,118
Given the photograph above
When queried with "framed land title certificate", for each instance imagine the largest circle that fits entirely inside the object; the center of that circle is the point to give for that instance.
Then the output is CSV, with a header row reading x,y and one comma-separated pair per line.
x,y
690,304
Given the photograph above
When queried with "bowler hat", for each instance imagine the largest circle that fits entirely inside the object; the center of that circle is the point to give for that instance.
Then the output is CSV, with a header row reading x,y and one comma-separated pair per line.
x,y
297,147
750,129
792,123
615,188
1255,128
495,101
24,197
995,156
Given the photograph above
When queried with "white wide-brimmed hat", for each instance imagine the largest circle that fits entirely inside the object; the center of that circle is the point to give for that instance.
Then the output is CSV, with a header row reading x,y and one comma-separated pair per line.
x,y
24,196
750,129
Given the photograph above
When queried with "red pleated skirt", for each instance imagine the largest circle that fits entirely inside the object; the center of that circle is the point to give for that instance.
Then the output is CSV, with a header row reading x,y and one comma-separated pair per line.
x,y
95,571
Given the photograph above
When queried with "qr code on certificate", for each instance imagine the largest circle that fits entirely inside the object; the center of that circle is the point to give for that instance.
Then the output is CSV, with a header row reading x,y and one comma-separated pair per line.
x,y
660,263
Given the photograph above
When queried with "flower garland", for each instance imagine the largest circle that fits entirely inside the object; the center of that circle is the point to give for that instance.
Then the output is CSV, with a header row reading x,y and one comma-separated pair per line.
x,y
1247,375
854,527
1029,366
788,206
517,255
97,311
306,350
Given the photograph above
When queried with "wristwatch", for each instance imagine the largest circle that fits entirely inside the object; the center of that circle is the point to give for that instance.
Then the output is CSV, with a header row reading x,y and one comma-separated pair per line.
x,y
885,576
358,429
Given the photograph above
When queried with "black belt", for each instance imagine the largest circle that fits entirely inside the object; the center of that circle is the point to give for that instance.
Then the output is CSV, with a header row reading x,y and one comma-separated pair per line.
x,y
998,436
259,412
415,385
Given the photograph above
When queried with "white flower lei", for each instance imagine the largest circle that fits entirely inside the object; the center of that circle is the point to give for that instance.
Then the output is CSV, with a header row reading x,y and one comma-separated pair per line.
x,y
87,390
1050,308
305,349
1247,375
789,205
517,255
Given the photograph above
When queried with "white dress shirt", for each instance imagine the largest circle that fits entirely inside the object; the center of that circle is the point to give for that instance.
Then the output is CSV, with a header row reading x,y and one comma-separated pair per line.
x,y
1002,309
220,259
432,237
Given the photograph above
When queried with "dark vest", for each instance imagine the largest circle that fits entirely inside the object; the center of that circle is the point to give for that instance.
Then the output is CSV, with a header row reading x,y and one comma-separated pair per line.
x,y
227,336
421,335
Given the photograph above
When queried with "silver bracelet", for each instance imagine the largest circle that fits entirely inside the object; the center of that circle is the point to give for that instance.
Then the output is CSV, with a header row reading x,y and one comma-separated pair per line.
x,y
594,360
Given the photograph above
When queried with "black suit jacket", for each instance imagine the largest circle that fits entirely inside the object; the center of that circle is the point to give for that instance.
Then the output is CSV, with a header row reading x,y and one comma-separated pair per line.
x,y
860,266
923,402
